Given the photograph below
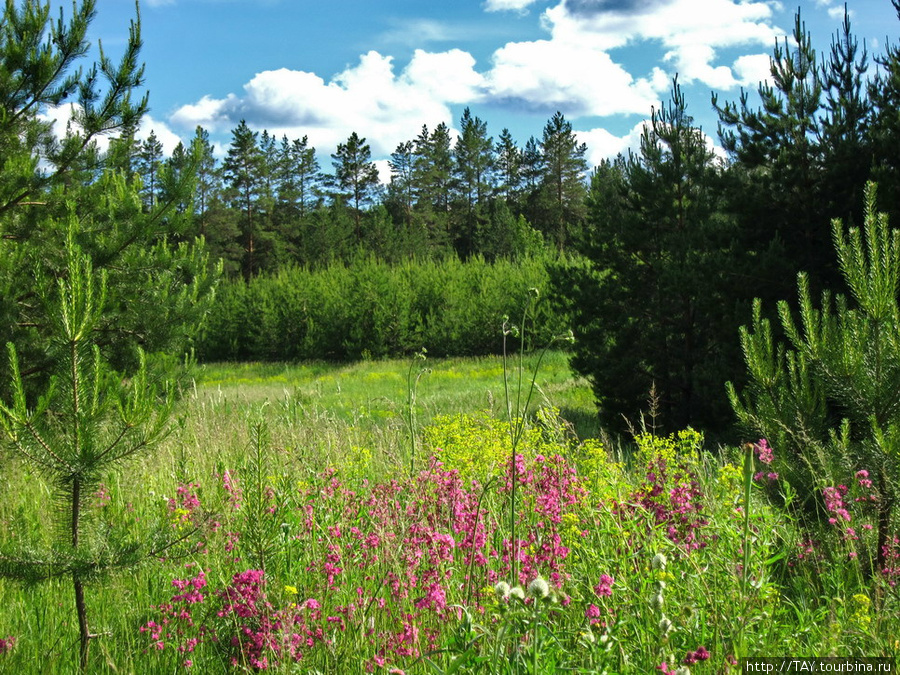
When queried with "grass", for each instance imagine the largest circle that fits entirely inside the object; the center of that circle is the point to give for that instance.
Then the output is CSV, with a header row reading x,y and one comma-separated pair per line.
x,y
375,392
326,550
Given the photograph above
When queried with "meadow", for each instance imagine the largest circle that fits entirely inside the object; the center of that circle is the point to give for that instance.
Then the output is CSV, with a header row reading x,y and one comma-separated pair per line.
x,y
439,516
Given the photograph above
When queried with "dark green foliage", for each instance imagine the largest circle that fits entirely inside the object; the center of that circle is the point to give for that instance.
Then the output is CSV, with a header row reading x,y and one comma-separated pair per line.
x,y
243,170
374,309
653,307
562,186
800,160
827,399
884,128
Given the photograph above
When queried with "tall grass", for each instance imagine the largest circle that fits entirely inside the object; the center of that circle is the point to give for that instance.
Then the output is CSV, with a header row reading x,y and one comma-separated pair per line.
x,y
323,549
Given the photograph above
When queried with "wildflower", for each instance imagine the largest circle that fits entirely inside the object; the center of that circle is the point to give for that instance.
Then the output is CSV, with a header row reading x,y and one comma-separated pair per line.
x,y
517,592
501,588
693,657
659,562
101,497
592,613
658,601
861,612
7,643
604,587
538,588
290,590
763,452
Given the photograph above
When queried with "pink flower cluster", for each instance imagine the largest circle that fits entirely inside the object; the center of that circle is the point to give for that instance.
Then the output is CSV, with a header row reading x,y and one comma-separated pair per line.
x,y
765,455
232,490
834,503
245,623
101,498
674,498
7,643
701,654
185,505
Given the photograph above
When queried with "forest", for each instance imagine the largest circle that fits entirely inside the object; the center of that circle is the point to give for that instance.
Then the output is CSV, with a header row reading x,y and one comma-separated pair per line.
x,y
214,395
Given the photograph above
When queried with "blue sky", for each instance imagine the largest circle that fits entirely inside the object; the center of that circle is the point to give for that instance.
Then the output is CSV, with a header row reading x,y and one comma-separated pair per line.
x,y
383,68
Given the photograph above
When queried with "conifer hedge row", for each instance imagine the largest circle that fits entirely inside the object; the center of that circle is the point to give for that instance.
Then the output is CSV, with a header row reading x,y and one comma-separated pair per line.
x,y
371,309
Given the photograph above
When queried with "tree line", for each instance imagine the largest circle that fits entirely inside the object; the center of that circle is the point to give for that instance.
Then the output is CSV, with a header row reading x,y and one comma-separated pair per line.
x,y
269,203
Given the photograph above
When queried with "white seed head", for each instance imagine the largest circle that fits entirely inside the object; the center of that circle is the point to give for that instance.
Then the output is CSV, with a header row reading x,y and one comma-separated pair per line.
x,y
538,588
665,625
659,562
658,601
517,592
501,588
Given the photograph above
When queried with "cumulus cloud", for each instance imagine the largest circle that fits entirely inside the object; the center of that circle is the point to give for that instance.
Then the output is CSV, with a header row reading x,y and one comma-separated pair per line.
x,y
369,98
541,75
690,31
602,144
751,69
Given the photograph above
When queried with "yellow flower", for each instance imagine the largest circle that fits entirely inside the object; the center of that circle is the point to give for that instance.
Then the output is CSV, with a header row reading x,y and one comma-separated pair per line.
x,y
290,590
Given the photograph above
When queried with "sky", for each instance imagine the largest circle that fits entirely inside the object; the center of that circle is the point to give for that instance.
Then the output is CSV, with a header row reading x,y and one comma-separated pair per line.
x,y
385,68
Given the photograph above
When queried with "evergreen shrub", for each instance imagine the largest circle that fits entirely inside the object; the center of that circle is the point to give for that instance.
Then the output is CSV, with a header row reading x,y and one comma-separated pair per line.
x,y
373,309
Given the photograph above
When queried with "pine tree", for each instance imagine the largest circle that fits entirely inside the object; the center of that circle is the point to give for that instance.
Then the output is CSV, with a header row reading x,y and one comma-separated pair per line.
x,y
149,159
654,306
473,161
208,178
800,160
401,194
356,175
89,420
884,128
563,170
243,171
846,154
154,284
828,397
509,167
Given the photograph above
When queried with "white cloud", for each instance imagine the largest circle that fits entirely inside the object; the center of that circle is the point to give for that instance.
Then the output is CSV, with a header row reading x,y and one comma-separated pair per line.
x,y
691,31
543,75
369,98
751,69
574,70
449,76
838,13
604,145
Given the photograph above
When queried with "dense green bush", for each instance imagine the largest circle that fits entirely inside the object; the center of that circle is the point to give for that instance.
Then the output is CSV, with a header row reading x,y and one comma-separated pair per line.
x,y
373,309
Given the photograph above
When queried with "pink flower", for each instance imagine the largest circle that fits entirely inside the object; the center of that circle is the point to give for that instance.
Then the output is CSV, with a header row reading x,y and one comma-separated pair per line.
x,y
604,588
763,452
